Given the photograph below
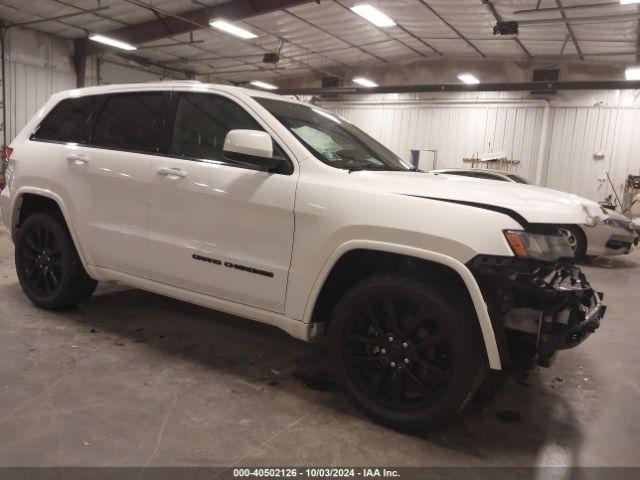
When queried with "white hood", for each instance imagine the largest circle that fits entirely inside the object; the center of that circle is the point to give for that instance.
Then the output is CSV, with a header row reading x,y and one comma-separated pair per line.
x,y
535,204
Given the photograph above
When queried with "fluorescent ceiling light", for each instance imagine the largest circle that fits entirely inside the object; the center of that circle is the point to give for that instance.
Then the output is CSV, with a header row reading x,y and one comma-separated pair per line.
x,y
468,78
232,29
111,41
265,85
632,73
373,15
365,82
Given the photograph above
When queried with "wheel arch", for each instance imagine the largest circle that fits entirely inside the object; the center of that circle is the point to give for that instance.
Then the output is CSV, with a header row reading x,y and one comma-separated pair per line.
x,y
325,291
27,197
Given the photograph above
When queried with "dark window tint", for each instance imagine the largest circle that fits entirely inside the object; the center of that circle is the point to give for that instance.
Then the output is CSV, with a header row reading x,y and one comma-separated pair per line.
x,y
518,178
489,176
202,123
485,176
131,122
458,174
69,121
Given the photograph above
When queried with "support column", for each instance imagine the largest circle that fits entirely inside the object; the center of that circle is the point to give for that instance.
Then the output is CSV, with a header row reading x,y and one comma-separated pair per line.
x,y
80,61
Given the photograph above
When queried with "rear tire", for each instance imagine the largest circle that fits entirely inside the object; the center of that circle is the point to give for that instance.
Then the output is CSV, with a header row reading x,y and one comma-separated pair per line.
x,y
48,266
405,352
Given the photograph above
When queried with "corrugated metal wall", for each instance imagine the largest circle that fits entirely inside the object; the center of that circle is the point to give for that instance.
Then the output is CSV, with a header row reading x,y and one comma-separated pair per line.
x,y
466,126
456,131
39,65
577,133
28,88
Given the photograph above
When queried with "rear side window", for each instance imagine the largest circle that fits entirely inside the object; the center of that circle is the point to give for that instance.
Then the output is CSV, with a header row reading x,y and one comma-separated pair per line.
x,y
69,121
201,125
131,122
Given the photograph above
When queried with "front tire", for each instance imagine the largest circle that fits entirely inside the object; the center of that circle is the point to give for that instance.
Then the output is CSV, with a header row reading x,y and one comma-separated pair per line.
x,y
48,266
406,354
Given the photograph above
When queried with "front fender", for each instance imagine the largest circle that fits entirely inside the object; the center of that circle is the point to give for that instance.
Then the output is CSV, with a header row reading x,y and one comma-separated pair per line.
x,y
460,268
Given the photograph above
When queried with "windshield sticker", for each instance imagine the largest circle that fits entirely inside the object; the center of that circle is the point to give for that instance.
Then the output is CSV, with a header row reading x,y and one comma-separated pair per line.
x,y
331,155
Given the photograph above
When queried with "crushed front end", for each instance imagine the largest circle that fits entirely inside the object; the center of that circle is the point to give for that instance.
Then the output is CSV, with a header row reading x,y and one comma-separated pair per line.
x,y
538,304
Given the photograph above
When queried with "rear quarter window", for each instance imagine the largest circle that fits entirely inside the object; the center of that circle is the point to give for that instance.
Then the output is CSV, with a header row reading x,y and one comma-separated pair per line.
x,y
69,121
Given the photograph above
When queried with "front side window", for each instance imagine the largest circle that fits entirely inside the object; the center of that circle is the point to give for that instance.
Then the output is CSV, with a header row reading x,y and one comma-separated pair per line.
x,y
202,123
69,121
131,121
333,140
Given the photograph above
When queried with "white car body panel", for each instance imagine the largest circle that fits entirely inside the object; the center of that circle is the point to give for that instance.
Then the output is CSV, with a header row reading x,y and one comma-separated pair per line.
x,y
596,230
140,228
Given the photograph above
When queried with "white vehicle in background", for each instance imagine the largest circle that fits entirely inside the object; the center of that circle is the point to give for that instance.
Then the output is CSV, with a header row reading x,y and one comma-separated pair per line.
x,y
282,212
608,232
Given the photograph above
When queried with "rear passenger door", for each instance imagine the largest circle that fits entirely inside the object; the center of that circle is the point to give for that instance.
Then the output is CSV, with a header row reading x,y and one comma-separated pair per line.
x,y
108,177
216,226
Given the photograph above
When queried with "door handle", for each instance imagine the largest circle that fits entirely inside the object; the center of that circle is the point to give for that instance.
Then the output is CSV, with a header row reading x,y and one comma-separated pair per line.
x,y
77,159
171,172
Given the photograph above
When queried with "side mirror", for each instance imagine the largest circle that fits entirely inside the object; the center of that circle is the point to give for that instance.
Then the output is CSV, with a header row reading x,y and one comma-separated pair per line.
x,y
248,146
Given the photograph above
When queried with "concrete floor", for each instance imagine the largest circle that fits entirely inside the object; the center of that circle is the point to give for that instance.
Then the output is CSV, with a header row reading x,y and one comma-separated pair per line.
x,y
132,378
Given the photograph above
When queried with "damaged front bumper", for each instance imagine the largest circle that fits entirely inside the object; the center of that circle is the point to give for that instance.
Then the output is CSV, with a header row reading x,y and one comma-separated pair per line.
x,y
570,326
538,309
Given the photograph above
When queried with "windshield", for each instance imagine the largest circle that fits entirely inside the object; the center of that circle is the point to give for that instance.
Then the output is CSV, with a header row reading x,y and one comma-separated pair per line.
x,y
331,139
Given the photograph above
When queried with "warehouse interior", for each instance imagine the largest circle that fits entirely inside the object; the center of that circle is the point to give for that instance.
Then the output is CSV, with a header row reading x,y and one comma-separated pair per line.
x,y
135,379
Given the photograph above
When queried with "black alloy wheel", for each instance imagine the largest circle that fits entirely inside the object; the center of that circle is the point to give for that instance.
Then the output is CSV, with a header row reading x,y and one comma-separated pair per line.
x,y
42,261
48,265
407,353
397,353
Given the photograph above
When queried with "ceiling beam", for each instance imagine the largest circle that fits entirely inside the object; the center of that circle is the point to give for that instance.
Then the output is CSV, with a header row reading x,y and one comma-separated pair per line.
x,y
343,40
567,8
185,22
570,30
395,39
455,30
164,14
462,87
618,17
498,18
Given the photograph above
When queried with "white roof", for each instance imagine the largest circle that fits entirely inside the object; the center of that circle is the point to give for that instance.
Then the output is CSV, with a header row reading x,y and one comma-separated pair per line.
x,y
175,84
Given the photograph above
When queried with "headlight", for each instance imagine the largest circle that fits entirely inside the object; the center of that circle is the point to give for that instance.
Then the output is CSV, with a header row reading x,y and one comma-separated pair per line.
x,y
629,226
537,246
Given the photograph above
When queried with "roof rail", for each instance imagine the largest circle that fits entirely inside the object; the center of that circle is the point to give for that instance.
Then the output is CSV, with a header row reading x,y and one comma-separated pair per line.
x,y
177,81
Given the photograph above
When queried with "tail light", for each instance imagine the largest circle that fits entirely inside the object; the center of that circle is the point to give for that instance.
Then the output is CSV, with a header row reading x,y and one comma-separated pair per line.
x,y
4,160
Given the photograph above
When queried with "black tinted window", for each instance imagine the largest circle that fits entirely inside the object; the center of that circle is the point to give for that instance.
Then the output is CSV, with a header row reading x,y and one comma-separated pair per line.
x,y
202,123
69,121
488,176
131,122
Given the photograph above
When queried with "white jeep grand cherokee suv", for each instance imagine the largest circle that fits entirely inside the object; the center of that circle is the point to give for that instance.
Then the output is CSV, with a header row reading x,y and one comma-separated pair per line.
x,y
282,212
